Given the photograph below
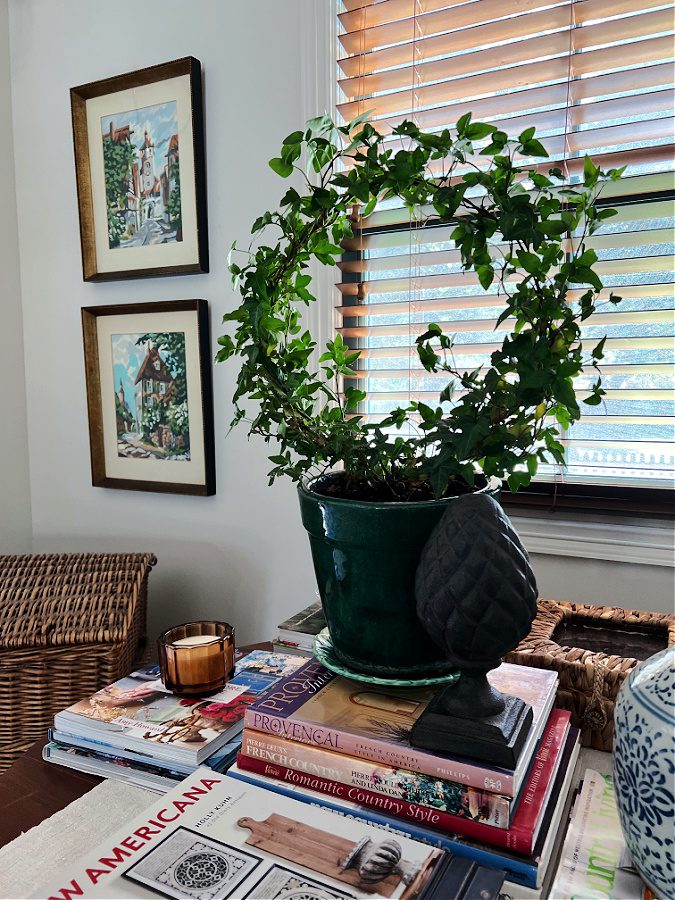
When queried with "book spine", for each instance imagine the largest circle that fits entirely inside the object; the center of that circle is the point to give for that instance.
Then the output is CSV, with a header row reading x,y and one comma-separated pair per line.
x,y
519,838
449,796
403,757
518,872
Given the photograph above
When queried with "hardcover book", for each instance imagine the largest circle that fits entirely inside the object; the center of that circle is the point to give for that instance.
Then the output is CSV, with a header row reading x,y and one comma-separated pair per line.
x,y
213,838
284,647
520,837
448,796
301,629
138,713
315,706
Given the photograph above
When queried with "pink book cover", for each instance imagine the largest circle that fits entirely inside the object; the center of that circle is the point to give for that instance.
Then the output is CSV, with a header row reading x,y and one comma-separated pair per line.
x,y
448,796
520,837
314,706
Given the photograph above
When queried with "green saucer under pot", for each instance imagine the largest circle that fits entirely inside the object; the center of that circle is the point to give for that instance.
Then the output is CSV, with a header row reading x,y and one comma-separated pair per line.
x,y
365,557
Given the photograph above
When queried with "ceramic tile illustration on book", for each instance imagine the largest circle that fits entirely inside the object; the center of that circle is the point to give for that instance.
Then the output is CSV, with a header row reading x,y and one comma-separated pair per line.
x,y
142,176
189,865
151,404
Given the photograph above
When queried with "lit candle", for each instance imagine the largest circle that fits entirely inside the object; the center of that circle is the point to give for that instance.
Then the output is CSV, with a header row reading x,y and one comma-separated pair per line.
x,y
196,658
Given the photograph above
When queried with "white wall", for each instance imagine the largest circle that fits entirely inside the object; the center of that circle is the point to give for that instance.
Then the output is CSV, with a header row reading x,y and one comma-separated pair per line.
x,y
241,555
15,522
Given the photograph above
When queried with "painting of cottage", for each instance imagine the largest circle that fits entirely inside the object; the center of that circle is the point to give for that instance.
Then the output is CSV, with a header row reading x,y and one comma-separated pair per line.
x,y
151,410
142,176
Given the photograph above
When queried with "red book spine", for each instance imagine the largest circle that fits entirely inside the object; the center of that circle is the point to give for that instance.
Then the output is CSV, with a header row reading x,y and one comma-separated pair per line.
x,y
520,837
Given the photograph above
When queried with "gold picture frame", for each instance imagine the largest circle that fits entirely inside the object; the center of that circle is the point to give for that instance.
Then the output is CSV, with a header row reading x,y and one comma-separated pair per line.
x,y
140,171
150,396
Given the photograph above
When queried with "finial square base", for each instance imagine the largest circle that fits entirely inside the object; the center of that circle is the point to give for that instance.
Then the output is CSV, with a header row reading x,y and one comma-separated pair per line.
x,y
494,739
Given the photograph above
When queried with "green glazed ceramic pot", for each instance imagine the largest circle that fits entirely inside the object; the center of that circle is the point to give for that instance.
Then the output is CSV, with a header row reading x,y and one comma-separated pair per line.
x,y
365,556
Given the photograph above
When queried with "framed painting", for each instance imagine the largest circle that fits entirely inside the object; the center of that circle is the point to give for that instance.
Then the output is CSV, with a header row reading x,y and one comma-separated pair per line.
x,y
139,165
149,396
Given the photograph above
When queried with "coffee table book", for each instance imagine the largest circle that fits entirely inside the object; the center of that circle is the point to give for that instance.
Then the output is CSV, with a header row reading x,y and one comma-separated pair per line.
x,y
526,875
519,837
214,837
315,706
138,713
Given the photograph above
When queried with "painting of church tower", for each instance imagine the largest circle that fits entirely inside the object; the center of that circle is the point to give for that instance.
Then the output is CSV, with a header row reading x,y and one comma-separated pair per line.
x,y
140,158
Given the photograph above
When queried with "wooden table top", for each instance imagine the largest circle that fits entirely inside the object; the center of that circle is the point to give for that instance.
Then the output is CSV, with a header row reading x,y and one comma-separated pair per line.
x,y
31,789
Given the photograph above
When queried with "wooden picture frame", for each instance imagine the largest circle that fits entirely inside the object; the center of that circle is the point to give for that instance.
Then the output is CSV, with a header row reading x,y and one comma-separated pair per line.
x,y
140,171
154,432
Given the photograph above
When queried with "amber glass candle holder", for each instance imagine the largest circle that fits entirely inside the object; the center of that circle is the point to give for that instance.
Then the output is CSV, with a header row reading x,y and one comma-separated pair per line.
x,y
196,658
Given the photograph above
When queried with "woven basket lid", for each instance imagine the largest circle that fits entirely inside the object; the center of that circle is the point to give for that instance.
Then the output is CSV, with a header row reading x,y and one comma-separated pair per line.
x,y
64,599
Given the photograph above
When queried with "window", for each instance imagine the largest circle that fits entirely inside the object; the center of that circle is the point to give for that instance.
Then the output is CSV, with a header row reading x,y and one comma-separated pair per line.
x,y
593,78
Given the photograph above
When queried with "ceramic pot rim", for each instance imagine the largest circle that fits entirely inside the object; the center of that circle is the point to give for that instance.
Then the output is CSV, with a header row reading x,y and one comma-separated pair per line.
x,y
305,488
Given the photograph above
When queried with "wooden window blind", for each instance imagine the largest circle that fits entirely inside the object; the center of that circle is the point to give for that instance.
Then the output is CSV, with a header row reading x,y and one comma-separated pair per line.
x,y
593,77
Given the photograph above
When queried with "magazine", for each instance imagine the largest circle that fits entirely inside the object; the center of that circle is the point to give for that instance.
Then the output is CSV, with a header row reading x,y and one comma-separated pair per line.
x,y
595,861
213,838
138,713
315,706
105,765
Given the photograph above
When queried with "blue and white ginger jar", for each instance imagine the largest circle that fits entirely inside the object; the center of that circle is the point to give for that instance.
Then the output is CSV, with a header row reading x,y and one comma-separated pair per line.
x,y
644,769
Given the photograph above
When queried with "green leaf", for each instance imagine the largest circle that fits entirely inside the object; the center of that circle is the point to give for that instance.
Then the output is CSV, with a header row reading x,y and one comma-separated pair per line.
x,y
564,392
591,171
477,130
294,138
281,167
534,148
462,123
486,275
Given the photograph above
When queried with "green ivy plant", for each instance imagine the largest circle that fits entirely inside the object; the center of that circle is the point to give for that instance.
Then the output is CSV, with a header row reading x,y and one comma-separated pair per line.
x,y
512,223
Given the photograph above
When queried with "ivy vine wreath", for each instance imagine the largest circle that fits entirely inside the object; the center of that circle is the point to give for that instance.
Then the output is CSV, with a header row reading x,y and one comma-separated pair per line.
x,y
372,492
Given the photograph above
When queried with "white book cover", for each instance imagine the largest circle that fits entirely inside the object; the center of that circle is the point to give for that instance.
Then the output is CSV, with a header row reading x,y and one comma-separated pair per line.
x,y
595,861
212,838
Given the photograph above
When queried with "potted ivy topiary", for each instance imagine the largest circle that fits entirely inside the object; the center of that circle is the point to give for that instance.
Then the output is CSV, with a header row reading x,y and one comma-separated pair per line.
x,y
370,493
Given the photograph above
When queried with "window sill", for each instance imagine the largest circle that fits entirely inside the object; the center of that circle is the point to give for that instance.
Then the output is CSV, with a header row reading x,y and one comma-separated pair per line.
x,y
626,541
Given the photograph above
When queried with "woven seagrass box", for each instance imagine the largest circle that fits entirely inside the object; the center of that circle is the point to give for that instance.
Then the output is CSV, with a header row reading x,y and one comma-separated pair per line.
x,y
70,624
593,649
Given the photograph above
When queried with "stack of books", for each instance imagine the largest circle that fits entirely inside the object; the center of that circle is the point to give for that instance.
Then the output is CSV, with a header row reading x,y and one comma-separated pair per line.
x,y
343,745
212,837
137,731
296,635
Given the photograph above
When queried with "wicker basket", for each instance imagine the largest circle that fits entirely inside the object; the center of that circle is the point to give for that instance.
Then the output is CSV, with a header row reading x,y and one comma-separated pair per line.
x,y
69,625
588,680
